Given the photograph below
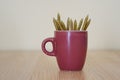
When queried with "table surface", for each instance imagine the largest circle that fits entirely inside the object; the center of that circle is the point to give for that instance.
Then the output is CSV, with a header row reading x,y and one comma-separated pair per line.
x,y
34,65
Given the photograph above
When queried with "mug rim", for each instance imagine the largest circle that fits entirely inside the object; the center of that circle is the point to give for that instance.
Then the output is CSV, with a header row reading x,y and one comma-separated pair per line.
x,y
69,31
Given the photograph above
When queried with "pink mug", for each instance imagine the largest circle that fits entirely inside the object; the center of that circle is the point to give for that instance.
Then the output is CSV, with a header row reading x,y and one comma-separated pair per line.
x,y
69,48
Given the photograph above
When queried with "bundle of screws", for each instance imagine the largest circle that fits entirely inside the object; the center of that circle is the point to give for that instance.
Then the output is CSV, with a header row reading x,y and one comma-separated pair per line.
x,y
71,25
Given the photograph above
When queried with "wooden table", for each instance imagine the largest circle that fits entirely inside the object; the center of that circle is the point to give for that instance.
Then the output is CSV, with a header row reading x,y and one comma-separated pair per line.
x,y
34,65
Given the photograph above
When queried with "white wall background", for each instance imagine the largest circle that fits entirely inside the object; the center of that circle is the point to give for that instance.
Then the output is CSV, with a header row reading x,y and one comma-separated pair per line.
x,y
25,23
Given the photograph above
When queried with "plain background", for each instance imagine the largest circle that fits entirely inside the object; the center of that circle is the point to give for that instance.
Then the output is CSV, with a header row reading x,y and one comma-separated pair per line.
x,y
25,23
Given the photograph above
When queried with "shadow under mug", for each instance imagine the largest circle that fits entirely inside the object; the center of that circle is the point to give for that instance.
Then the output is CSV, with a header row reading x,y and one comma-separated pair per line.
x,y
69,48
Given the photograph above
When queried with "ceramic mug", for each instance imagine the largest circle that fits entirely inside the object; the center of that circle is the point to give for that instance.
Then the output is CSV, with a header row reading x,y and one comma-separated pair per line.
x,y
69,48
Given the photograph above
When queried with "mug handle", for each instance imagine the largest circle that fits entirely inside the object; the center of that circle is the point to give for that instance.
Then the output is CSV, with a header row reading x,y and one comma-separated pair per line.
x,y
52,53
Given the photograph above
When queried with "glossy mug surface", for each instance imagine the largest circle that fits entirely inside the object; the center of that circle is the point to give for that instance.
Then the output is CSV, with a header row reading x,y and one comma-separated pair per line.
x,y
69,48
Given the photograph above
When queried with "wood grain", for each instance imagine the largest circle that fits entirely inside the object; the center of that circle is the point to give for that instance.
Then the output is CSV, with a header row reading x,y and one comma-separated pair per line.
x,y
34,65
